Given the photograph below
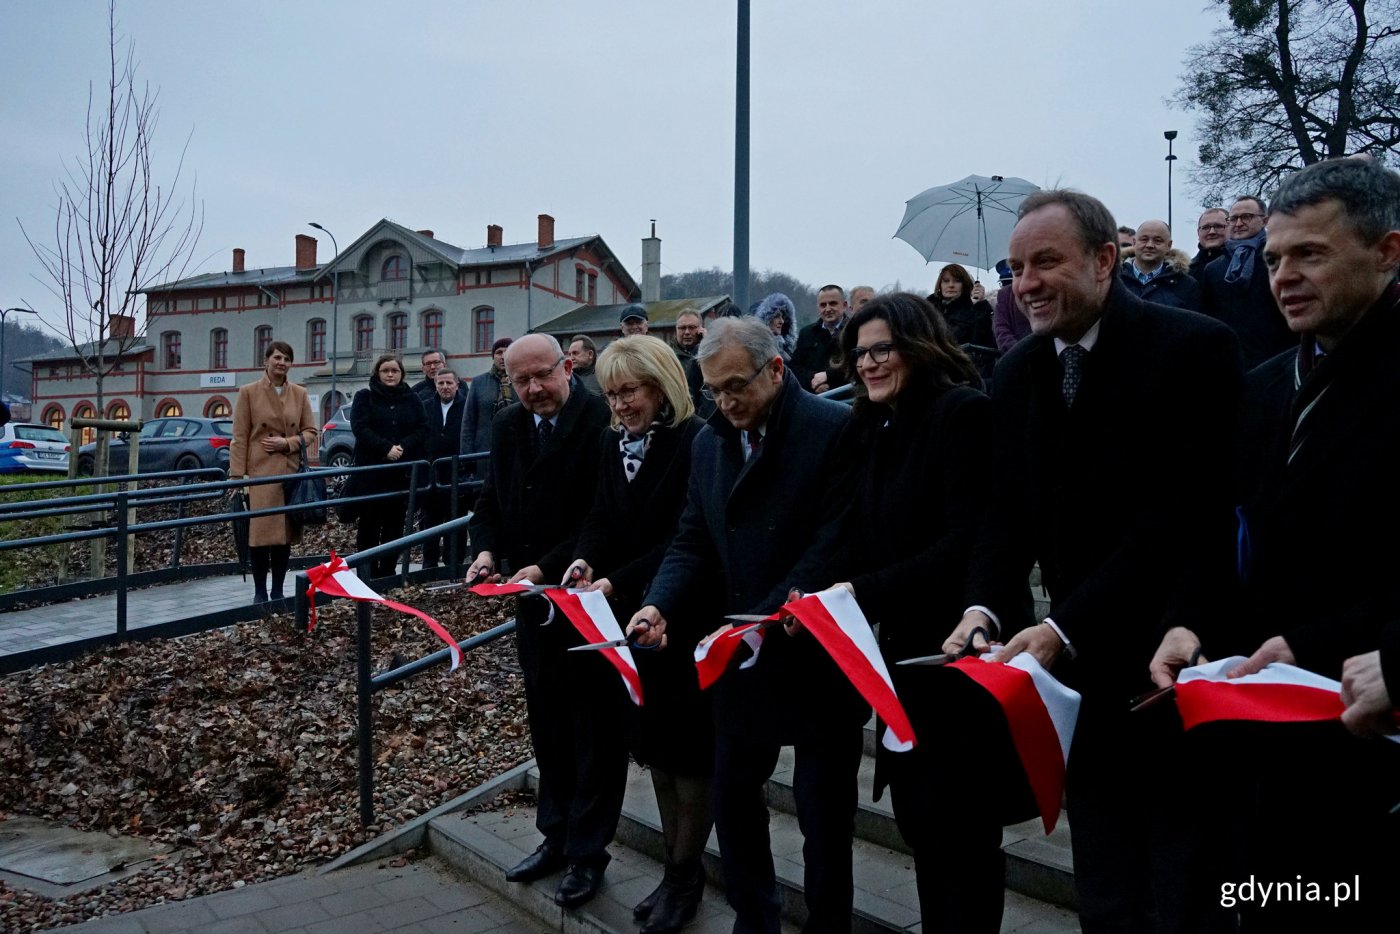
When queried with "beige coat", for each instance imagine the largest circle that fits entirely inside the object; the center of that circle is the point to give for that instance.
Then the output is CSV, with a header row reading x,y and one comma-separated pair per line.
x,y
260,413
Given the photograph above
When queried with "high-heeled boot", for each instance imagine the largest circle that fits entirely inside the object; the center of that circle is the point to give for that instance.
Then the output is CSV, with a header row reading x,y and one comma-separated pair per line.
x,y
681,891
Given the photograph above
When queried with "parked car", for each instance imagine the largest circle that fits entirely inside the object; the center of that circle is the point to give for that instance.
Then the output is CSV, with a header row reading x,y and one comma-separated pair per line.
x,y
338,441
26,447
168,444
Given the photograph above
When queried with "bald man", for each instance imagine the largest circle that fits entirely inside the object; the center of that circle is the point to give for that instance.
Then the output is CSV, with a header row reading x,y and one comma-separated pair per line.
x,y
1157,273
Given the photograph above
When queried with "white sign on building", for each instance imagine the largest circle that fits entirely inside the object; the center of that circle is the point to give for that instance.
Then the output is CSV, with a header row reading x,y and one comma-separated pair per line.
x,y
217,381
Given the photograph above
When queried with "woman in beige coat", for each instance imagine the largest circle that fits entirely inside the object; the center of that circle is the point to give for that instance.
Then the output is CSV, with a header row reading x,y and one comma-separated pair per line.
x,y
271,425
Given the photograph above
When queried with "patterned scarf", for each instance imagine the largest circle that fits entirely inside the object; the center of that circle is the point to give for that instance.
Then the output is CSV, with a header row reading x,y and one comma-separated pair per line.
x,y
633,448
505,394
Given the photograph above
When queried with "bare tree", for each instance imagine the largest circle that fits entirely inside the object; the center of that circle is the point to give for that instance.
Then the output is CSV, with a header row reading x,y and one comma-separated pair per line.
x,y
115,229
1291,82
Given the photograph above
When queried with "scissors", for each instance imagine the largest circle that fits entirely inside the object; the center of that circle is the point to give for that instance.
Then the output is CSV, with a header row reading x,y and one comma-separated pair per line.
x,y
968,650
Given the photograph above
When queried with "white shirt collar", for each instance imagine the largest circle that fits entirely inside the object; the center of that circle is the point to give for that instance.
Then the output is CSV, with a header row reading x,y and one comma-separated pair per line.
x,y
1090,338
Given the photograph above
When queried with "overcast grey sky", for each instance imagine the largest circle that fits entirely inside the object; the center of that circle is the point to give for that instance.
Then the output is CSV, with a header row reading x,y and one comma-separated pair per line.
x,y
453,115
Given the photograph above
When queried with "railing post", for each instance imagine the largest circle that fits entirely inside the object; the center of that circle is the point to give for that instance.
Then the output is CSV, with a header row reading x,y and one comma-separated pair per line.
x,y
409,516
454,540
179,530
301,606
121,564
365,713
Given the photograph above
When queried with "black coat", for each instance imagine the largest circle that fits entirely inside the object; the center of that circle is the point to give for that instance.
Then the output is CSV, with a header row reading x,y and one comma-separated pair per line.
x,y
529,510
382,417
751,531
1249,309
815,348
1171,287
1202,259
1109,496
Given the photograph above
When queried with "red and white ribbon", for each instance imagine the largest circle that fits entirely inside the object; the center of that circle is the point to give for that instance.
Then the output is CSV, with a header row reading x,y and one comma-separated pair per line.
x,y
590,614
335,578
714,652
1277,694
1041,713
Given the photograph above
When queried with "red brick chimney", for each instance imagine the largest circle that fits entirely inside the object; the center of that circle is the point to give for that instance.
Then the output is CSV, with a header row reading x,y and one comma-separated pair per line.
x,y
546,238
237,259
121,327
426,233
493,234
306,252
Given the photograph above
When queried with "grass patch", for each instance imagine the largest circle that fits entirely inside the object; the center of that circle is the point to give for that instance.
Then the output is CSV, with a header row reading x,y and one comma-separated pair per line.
x,y
14,574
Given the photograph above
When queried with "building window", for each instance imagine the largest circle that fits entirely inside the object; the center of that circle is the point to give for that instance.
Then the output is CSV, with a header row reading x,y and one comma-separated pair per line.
x,y
86,410
316,339
169,409
170,350
432,329
262,339
394,268
217,407
398,331
364,335
119,411
578,284
483,329
592,288
53,417
218,349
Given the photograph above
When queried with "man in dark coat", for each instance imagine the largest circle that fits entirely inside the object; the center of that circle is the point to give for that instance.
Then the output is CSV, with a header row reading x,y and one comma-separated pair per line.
x,y
444,440
1235,287
1157,273
1112,426
1210,241
425,389
762,507
819,341
543,465
1315,582
690,331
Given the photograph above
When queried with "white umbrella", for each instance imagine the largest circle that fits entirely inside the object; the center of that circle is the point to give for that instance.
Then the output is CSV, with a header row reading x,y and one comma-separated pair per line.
x,y
966,222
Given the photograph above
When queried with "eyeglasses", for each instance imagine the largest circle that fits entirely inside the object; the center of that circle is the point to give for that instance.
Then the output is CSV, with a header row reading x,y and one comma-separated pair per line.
x,y
624,395
1241,218
879,353
731,388
1205,228
539,377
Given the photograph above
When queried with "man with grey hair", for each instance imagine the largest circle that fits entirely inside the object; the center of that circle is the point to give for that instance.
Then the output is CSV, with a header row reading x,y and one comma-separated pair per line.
x,y
544,463
860,295
1309,579
762,506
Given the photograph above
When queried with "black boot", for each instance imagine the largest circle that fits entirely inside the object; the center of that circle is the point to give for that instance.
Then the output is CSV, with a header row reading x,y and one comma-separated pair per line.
x,y
681,891
259,595
643,909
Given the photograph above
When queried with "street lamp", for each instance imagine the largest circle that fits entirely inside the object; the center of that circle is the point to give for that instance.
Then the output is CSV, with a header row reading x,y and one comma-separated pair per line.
x,y
335,317
1169,135
3,313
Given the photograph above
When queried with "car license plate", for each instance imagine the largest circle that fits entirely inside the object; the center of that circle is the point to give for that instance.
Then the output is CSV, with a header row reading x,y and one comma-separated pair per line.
x,y
45,455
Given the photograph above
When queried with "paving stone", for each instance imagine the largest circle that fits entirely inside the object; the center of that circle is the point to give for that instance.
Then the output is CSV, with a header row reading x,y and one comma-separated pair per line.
x,y
299,914
181,916
236,902
402,911
356,900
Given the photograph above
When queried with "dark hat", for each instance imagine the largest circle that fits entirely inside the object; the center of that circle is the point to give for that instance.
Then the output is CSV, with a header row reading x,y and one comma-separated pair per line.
x,y
633,311
501,344
1004,271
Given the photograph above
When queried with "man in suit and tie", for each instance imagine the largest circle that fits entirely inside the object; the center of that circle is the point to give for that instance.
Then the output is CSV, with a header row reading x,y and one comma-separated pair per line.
x,y
544,463
1112,431
444,413
762,499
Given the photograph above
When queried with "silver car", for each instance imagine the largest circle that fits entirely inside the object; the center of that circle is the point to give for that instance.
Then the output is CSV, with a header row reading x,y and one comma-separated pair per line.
x,y
26,447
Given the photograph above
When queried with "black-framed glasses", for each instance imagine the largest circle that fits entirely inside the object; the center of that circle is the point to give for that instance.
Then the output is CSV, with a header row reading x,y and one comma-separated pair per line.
x,y
1240,218
537,377
731,388
624,394
1210,227
879,353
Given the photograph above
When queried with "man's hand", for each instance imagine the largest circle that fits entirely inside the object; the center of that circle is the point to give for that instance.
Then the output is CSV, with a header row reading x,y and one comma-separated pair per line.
x,y
957,639
650,626
482,570
1369,709
601,585
1175,653
579,574
791,624
820,382
533,574
1274,650
1041,641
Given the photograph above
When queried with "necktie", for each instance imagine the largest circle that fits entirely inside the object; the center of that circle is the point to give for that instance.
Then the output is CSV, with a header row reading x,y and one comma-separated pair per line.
x,y
755,439
1071,358
546,431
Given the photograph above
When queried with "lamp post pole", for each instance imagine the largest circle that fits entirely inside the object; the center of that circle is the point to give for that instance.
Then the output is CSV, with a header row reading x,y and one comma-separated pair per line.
x,y
335,319
741,160
1169,135
3,313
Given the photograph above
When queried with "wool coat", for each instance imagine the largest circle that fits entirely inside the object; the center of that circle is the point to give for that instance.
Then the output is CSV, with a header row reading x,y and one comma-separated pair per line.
x,y
258,413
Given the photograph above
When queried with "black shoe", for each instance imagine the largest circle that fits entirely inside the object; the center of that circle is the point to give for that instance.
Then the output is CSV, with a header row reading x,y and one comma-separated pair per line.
x,y
546,859
259,598
681,892
579,884
643,909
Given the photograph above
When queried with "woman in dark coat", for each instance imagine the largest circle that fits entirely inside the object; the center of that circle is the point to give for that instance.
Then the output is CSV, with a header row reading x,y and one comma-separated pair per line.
x,y
390,426
969,319
920,446
643,477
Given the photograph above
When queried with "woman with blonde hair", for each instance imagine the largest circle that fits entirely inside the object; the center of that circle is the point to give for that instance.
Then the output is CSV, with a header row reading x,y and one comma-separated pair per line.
x,y
272,425
644,475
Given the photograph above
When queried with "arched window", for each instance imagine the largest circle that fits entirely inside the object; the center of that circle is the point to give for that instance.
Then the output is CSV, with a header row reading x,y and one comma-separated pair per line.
x,y
364,335
398,331
394,268
483,329
217,407
119,411
53,417
170,350
432,329
169,408
86,410
218,349
262,339
316,339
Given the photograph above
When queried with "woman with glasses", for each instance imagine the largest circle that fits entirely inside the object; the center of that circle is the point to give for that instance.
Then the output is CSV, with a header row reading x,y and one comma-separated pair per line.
x,y
390,427
644,472
920,447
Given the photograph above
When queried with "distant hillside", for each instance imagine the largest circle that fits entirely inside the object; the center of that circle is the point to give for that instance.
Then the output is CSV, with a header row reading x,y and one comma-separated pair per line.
x,y
716,281
23,341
